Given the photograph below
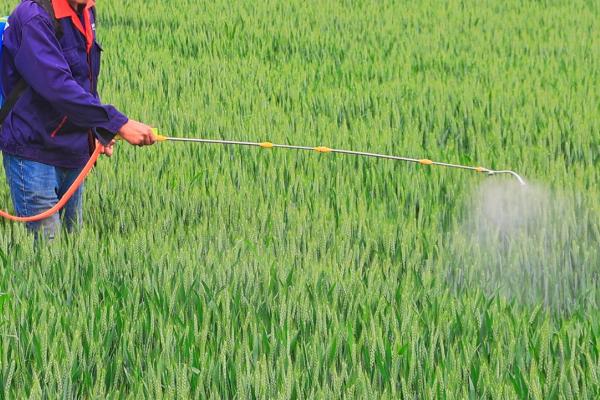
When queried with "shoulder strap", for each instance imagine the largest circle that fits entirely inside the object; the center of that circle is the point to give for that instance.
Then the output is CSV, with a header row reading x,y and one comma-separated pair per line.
x,y
12,99
21,85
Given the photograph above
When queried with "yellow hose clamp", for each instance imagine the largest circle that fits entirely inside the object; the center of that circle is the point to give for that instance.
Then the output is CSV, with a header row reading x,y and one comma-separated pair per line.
x,y
322,149
266,145
425,162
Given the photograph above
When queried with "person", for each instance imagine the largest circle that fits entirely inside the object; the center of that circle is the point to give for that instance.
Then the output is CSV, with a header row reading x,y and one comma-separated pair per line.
x,y
58,120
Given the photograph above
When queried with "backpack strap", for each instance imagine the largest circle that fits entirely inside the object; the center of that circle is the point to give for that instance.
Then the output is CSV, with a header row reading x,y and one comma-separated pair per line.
x,y
21,85
12,99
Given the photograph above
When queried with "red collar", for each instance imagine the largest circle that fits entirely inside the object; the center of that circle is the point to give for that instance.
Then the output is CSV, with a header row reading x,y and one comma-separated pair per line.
x,y
62,9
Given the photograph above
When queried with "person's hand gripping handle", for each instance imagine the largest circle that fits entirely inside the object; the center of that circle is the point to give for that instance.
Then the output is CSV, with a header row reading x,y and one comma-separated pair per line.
x,y
138,134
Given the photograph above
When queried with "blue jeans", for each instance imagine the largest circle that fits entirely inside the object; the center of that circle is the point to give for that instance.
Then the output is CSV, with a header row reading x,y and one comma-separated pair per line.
x,y
37,187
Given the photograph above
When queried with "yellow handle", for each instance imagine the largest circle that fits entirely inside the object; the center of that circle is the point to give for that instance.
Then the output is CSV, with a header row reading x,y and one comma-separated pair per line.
x,y
159,137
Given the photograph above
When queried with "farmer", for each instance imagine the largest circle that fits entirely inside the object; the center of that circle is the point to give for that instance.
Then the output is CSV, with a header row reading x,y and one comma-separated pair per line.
x,y
58,119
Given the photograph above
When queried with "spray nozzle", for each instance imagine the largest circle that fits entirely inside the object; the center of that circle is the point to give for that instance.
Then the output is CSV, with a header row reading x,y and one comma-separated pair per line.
x,y
513,173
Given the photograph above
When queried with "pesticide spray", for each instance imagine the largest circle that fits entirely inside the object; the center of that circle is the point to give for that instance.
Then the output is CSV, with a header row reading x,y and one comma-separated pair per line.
x,y
528,244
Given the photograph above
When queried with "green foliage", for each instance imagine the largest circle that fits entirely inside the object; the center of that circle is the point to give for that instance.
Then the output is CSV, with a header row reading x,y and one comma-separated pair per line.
x,y
221,272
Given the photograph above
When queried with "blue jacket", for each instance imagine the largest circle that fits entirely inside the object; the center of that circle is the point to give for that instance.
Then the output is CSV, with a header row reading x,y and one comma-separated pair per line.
x,y
57,118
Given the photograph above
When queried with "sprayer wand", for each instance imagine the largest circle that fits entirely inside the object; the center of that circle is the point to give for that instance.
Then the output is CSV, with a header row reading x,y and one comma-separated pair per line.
x,y
321,149
265,145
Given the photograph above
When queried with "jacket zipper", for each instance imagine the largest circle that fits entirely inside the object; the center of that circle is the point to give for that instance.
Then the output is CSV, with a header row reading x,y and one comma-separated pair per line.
x,y
59,127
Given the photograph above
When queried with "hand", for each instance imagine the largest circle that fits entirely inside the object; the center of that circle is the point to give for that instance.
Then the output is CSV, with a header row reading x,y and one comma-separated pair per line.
x,y
137,134
108,149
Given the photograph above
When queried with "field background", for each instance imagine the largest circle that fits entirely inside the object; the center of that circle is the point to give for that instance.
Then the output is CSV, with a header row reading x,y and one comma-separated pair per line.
x,y
212,272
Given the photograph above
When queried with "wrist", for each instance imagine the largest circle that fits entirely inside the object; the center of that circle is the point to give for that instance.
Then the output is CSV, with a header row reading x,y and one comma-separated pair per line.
x,y
120,130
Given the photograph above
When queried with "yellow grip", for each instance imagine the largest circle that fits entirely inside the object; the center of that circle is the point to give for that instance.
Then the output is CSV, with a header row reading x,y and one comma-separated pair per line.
x,y
480,169
425,162
322,149
159,137
266,145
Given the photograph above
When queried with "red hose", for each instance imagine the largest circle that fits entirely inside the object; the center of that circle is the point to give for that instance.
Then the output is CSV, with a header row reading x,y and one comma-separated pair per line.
x,y
62,202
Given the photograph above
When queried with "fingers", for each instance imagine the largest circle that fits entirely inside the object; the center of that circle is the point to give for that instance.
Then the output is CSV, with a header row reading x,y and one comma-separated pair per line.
x,y
149,138
144,140
152,137
108,149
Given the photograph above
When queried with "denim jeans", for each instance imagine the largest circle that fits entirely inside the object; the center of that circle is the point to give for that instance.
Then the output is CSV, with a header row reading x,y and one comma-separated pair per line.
x,y
37,187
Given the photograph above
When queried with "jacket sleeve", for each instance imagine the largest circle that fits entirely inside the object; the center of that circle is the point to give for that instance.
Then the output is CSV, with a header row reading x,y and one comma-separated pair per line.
x,y
40,61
